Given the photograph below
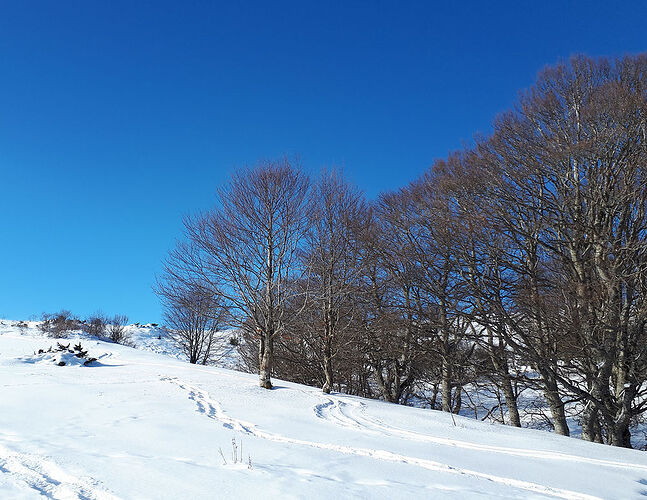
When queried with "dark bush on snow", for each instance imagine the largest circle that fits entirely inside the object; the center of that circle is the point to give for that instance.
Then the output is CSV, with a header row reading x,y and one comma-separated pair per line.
x,y
59,324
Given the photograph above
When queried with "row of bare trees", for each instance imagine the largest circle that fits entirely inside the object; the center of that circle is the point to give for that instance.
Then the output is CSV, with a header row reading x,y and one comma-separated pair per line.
x,y
517,263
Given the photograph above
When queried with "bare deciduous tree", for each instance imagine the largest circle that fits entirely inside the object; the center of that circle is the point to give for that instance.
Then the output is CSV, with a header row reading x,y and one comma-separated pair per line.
x,y
566,194
248,247
332,257
193,313
518,262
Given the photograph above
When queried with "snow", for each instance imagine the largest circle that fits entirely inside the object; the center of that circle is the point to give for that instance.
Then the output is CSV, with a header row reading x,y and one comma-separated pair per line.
x,y
139,424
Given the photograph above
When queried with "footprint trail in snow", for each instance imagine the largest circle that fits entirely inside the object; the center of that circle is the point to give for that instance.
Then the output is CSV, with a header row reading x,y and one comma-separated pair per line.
x,y
351,414
47,478
212,409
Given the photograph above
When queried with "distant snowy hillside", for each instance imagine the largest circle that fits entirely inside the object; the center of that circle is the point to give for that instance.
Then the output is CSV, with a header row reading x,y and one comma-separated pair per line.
x,y
147,337
139,424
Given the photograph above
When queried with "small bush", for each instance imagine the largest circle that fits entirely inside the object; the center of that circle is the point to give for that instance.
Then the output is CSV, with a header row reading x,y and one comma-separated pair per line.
x,y
23,327
59,324
117,330
95,325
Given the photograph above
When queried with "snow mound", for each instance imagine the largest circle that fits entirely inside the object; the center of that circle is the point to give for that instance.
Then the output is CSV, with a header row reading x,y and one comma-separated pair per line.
x,y
61,355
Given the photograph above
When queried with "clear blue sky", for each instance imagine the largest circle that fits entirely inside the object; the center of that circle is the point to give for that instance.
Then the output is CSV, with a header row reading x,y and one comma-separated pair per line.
x,y
116,118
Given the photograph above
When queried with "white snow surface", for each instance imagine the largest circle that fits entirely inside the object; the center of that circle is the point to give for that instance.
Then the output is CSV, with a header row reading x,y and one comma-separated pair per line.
x,y
138,424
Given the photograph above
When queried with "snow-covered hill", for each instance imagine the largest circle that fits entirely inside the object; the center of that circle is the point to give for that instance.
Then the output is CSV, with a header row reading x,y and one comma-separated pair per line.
x,y
140,424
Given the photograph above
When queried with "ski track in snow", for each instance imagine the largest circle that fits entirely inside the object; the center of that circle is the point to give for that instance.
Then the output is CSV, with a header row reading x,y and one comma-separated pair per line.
x,y
48,479
351,415
212,409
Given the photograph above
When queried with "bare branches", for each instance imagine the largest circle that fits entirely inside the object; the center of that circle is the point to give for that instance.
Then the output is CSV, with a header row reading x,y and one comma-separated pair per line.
x,y
525,253
194,312
246,250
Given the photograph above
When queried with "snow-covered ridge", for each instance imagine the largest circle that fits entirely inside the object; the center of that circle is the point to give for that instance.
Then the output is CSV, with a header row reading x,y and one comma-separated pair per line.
x,y
141,423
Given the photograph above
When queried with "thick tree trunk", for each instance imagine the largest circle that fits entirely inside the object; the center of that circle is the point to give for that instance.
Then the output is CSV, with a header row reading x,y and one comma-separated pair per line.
x,y
383,385
510,402
265,361
500,364
625,394
458,400
556,405
591,423
620,435
618,427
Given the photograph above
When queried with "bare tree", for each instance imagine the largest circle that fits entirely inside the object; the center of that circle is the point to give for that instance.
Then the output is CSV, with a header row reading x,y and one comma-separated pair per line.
x,y
248,247
565,179
334,267
518,262
393,322
193,313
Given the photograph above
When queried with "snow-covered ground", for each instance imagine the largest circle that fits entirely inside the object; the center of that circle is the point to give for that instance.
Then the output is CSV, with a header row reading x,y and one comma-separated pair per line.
x,y
141,424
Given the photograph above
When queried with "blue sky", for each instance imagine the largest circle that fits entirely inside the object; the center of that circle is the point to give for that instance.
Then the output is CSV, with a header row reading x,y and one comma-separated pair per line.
x,y
117,118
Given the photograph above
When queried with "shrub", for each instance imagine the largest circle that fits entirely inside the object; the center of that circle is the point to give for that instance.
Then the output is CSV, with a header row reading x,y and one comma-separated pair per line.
x,y
59,324
23,326
95,325
117,330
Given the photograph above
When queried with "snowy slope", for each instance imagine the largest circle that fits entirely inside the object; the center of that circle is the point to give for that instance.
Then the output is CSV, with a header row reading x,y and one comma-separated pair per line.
x,y
138,424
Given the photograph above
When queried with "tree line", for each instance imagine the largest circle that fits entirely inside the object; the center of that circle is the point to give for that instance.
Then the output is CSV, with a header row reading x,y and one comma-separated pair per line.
x,y
517,263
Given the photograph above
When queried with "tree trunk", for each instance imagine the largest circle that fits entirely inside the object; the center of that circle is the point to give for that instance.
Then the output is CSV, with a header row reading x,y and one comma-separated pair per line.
x,y
618,427
434,396
265,361
446,387
500,364
383,384
458,400
328,373
590,423
556,405
620,435
510,402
